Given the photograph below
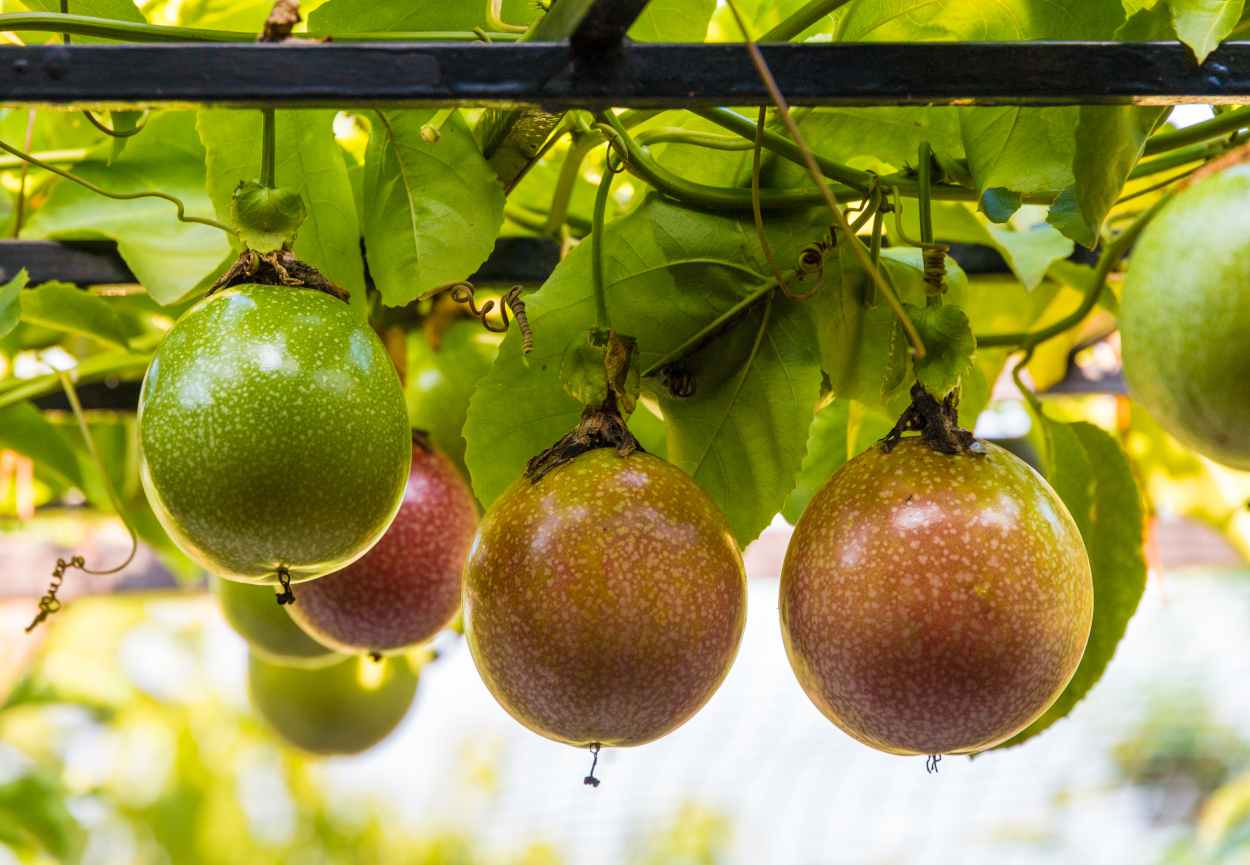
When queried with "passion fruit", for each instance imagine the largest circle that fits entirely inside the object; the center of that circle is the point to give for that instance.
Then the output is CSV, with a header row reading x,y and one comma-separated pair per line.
x,y
255,616
935,603
407,588
1185,314
275,440
604,602
343,708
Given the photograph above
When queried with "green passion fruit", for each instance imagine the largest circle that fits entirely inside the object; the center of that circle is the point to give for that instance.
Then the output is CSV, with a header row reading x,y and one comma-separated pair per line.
x,y
343,708
253,614
407,588
1185,314
274,434
934,603
604,603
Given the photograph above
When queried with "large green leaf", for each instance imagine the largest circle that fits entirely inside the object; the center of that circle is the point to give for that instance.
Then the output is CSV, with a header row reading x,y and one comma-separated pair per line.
x,y
11,302
840,431
169,257
1020,150
1090,472
1203,24
925,20
122,10
432,208
1109,141
24,429
884,135
670,272
673,21
309,161
65,307
368,16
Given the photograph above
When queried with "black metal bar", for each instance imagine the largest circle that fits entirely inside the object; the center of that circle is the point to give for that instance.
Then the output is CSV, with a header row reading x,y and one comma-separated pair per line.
x,y
647,76
525,260
605,26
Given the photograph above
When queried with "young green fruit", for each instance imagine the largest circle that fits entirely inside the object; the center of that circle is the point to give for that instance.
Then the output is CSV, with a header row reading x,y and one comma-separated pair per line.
x,y
344,708
935,604
254,614
274,434
1185,314
407,588
605,602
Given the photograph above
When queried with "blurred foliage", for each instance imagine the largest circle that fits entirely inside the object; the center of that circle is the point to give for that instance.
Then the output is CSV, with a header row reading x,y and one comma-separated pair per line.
x,y
1181,754
108,757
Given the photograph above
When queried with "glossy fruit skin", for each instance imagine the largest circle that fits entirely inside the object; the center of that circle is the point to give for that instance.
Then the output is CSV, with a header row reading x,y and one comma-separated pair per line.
x,y
255,615
343,708
935,604
407,588
273,433
1185,313
605,602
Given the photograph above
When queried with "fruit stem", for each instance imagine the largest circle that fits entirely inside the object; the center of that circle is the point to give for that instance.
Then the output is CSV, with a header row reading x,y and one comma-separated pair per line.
x,y
1112,252
813,169
135,31
286,596
268,148
50,603
602,319
801,19
1218,125
590,780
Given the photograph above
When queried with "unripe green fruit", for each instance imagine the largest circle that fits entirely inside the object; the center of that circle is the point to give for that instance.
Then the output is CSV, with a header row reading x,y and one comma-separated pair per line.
x,y
274,434
604,603
255,615
343,708
1185,314
935,604
407,588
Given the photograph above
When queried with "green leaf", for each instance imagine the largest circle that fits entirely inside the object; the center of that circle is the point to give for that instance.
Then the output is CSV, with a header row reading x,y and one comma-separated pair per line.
x,y
122,10
1029,247
582,371
24,429
924,20
673,21
864,349
122,122
1204,24
1020,150
840,431
669,273
432,210
169,257
307,159
267,219
748,431
64,307
34,817
1109,141
441,380
949,344
367,16
1090,472
11,302
1066,216
891,135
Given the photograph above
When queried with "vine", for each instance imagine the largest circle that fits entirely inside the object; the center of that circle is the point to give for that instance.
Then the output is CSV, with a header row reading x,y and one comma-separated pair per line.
x,y
51,602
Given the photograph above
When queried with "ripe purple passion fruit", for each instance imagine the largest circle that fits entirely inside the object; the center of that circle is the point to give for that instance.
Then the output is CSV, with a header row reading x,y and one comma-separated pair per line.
x,y
407,588
343,708
274,434
605,602
935,604
1185,314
